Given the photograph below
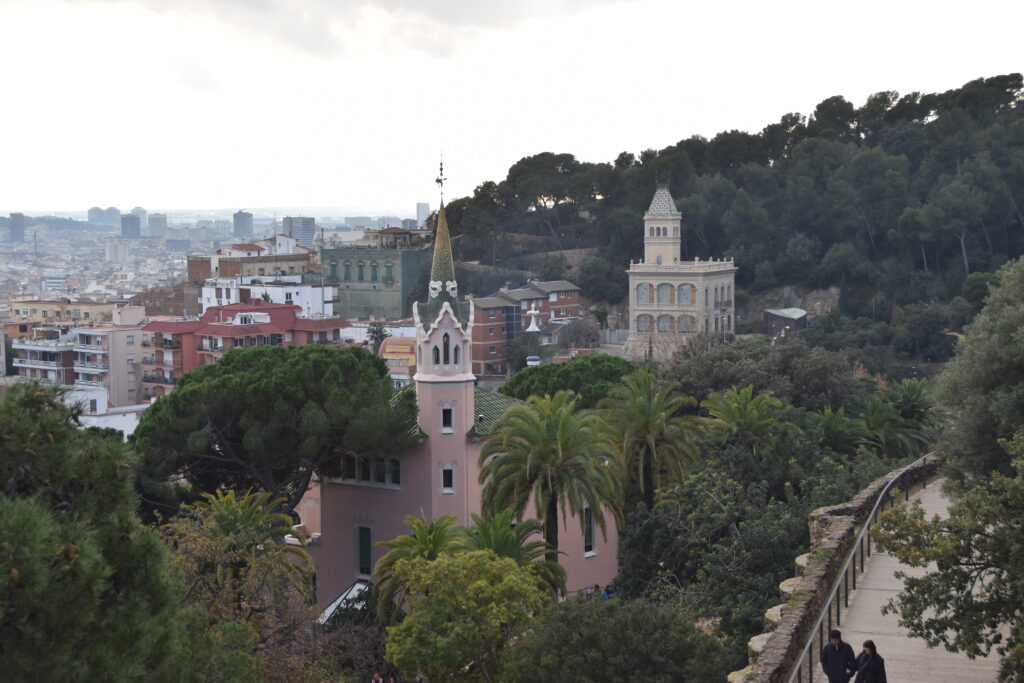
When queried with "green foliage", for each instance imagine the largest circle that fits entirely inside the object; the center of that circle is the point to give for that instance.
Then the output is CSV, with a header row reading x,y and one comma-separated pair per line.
x,y
503,536
793,372
465,608
267,418
924,185
428,540
972,599
252,590
85,589
982,385
610,640
592,377
656,440
557,455
377,333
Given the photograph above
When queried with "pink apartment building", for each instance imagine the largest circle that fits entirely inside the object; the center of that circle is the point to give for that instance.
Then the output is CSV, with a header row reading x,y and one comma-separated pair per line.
x,y
439,476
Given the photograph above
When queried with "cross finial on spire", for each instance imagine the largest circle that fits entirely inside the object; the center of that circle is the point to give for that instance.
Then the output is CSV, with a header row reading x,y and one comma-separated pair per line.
x,y
440,179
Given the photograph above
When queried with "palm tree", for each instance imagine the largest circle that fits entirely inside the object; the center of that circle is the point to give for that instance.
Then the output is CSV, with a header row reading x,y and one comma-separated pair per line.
x,y
655,440
556,454
500,534
911,400
739,410
427,540
837,431
887,432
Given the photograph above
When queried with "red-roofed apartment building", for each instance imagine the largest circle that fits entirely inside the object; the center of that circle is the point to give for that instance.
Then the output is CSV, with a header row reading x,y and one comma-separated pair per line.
x,y
175,346
500,318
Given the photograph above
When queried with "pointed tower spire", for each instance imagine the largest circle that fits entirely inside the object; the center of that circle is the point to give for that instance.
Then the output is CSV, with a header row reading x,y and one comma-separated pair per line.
x,y
442,268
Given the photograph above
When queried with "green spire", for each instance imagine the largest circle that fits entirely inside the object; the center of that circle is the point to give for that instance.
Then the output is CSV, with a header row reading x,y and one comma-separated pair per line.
x,y
442,269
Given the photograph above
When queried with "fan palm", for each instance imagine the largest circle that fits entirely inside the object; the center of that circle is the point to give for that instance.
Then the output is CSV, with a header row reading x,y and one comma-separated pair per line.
x,y
559,456
739,410
887,432
500,534
427,540
655,440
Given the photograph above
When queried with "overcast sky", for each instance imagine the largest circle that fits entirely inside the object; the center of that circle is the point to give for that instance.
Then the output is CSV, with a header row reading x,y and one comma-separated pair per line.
x,y
174,104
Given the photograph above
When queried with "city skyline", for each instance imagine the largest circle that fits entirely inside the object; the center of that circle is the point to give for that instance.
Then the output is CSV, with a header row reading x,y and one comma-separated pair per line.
x,y
449,77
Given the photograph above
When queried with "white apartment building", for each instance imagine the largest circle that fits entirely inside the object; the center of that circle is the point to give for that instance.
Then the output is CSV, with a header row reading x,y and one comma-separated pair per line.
x,y
314,297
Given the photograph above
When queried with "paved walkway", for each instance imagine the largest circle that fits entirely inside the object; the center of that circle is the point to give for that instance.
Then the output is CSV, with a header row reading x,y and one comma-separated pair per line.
x,y
907,660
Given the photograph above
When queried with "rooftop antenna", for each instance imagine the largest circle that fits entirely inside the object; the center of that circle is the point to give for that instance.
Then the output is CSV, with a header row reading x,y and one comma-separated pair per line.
x,y
440,179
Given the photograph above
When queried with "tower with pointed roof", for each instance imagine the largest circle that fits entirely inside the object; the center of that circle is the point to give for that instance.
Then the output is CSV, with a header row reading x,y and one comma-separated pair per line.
x,y
444,378
671,299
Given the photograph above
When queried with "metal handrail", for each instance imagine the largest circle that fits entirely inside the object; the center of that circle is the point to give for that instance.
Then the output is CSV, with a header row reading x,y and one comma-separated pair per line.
x,y
842,582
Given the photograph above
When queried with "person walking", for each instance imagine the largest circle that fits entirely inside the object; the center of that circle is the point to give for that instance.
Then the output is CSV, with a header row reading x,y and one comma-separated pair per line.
x,y
837,660
870,665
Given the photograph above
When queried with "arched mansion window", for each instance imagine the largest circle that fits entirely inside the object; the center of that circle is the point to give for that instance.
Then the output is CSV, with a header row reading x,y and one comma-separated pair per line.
x,y
665,323
643,323
687,294
644,293
687,323
666,293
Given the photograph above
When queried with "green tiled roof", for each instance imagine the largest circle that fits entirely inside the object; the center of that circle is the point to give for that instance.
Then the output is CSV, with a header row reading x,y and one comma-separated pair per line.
x,y
491,405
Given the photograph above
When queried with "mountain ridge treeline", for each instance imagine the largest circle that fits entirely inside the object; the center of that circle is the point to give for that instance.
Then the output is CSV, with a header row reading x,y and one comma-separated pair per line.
x,y
895,201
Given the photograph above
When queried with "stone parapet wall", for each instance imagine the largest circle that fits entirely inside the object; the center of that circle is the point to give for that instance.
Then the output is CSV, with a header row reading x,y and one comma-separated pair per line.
x,y
833,531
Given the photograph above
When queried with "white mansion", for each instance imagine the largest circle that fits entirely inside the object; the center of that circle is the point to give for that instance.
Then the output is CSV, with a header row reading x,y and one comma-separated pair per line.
x,y
670,300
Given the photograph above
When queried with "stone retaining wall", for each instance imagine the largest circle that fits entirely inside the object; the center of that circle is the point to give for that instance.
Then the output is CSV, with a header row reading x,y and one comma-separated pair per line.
x,y
833,532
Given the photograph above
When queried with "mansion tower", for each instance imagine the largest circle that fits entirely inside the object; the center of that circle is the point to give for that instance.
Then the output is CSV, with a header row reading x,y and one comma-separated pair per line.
x,y
671,300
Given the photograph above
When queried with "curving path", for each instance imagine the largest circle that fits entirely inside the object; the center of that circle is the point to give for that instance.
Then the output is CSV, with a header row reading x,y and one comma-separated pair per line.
x,y
907,660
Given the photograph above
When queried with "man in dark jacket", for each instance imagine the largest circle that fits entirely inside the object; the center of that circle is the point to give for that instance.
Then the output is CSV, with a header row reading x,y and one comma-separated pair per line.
x,y
837,660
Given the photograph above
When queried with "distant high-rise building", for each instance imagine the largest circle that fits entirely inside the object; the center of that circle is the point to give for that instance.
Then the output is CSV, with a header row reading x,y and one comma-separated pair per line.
x,y
108,216
157,224
16,228
422,213
243,224
131,227
301,228
117,252
143,218
409,224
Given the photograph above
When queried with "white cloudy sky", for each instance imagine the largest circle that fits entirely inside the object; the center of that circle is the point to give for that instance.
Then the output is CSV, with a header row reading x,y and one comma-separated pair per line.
x,y
347,103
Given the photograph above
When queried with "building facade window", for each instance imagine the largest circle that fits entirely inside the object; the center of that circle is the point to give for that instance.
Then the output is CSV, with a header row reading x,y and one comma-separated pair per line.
x,y
348,271
365,542
687,294
373,271
686,323
665,323
446,348
395,467
437,356
379,471
447,420
447,479
360,271
455,356
588,531
643,323
389,272
644,293
364,469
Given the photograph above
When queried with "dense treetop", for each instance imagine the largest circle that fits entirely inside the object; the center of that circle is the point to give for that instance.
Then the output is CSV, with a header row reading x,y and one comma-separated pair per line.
x,y
903,195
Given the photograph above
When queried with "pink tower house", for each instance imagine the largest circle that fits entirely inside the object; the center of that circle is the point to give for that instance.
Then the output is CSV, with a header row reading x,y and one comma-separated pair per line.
x,y
368,503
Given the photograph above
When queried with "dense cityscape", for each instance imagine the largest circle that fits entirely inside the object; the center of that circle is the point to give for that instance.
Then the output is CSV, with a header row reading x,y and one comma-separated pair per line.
x,y
742,404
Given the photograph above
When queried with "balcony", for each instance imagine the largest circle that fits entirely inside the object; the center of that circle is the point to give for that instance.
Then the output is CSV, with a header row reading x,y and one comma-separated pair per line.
x,y
148,378
169,344
34,363
90,383
91,365
41,344
91,348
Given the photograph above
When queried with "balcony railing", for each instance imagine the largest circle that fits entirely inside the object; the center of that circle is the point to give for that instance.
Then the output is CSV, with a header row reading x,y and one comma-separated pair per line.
x,y
169,344
92,365
158,379
149,360
90,347
30,362
90,383
39,342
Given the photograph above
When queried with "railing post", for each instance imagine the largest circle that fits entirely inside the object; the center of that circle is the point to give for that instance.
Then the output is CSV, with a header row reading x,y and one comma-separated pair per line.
x,y
846,586
862,550
839,612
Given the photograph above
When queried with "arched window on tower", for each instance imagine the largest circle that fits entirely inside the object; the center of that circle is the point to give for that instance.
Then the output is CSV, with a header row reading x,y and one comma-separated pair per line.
x,y
644,293
666,293
419,355
446,344
437,356
455,355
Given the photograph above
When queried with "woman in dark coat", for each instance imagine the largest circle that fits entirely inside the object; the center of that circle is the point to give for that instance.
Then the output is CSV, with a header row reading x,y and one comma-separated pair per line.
x,y
870,665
